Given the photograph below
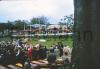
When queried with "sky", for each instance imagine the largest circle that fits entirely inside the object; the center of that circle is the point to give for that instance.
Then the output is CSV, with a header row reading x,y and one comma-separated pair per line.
x,y
54,10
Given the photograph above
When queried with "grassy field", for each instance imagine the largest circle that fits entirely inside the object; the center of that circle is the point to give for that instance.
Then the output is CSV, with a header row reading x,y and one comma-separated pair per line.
x,y
49,41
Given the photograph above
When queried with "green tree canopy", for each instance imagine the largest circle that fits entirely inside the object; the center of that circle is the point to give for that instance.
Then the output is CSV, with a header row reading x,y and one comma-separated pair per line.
x,y
68,21
19,25
10,25
39,20
2,26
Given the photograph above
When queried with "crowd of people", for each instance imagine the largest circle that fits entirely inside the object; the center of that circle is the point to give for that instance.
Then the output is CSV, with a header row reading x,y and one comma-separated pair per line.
x,y
17,51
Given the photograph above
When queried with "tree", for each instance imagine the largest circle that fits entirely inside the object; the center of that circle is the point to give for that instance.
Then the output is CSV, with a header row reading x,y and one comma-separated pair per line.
x,y
34,20
86,46
43,20
6,28
19,25
9,25
9,28
39,20
68,21
2,28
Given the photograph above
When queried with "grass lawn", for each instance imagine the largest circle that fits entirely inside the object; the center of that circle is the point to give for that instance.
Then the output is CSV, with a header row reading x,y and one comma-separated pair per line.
x,y
49,41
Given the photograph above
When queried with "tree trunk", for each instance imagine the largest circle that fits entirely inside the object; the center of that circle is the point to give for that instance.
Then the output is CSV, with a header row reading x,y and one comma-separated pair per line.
x,y
86,51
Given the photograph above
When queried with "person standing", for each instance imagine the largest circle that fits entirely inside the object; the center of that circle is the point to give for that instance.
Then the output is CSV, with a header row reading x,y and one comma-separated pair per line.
x,y
27,64
57,52
52,60
66,60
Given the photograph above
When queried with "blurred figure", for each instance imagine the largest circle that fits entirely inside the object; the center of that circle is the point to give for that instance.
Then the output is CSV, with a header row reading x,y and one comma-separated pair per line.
x,y
27,64
57,52
29,52
68,50
52,60
66,60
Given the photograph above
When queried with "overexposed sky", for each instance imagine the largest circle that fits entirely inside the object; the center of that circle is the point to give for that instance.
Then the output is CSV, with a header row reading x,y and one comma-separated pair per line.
x,y
54,10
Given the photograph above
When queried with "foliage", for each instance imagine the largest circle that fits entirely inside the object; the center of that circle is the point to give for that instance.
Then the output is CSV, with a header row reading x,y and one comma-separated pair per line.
x,y
2,26
69,21
39,20
19,25
9,25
